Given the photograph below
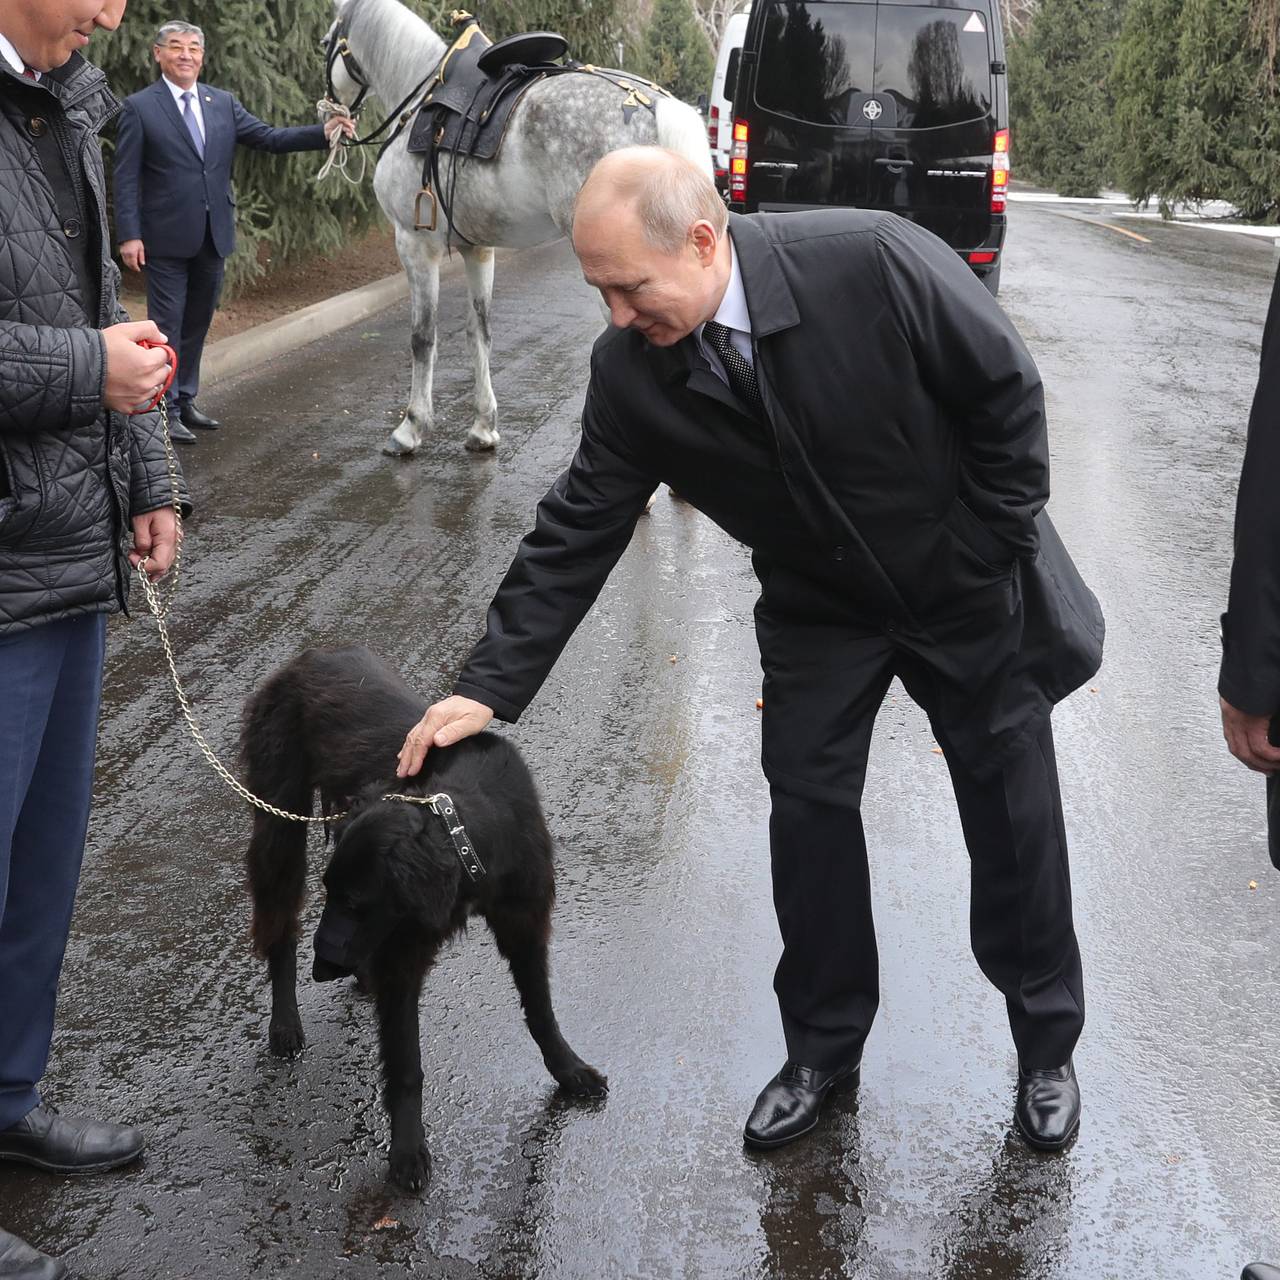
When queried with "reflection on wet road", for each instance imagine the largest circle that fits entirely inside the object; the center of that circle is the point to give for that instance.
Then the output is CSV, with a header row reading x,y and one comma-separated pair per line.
x,y
645,744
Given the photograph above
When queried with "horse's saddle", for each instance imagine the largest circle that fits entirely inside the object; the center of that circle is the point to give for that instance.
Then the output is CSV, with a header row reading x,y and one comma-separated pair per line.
x,y
478,85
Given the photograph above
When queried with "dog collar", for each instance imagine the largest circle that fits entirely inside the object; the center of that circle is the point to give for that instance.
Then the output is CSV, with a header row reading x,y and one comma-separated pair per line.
x,y
441,804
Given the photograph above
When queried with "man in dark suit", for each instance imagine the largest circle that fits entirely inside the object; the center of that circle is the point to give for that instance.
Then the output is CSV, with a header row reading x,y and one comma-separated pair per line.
x,y
837,391
175,211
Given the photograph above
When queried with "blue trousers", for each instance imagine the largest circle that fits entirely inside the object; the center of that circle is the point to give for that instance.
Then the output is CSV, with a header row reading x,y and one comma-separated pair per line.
x,y
50,688
182,295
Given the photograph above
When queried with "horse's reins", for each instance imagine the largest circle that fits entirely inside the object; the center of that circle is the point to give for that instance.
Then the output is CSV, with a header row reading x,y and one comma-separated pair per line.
x,y
440,803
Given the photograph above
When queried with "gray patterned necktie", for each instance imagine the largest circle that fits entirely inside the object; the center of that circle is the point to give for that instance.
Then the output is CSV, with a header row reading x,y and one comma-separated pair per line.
x,y
193,127
738,369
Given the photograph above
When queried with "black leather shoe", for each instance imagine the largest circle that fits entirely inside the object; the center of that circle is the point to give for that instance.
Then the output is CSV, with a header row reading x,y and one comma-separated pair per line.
x,y
65,1144
1254,1271
192,417
1048,1110
19,1261
179,434
790,1103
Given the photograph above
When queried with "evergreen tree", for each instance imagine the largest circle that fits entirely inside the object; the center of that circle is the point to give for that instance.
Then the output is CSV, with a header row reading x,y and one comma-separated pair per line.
x,y
593,28
1198,105
1060,103
675,52
1142,84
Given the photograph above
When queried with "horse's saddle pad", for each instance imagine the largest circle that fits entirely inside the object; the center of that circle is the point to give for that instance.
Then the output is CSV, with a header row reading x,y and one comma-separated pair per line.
x,y
477,87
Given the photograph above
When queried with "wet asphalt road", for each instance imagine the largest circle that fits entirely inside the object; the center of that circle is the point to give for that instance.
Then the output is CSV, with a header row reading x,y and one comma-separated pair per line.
x,y
645,744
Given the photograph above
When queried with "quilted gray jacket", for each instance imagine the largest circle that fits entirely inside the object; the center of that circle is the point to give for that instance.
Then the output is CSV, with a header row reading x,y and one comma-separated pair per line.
x,y
73,472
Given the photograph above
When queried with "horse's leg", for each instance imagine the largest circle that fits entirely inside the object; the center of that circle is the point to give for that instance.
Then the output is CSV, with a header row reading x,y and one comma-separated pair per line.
x,y
479,264
420,254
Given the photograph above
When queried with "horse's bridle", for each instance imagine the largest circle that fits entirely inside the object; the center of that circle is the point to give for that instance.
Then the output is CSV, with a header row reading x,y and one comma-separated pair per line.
x,y
337,47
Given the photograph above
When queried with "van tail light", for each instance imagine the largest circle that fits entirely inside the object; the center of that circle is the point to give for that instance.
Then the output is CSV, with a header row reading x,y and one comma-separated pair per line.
x,y
1000,171
983,258
713,128
738,162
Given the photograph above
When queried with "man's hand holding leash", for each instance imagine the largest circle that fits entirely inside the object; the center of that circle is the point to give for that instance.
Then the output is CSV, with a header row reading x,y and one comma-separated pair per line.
x,y
140,368
134,373
444,723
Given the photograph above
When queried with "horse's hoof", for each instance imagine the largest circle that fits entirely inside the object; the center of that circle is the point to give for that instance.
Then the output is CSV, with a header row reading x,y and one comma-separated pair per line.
x,y
397,449
478,443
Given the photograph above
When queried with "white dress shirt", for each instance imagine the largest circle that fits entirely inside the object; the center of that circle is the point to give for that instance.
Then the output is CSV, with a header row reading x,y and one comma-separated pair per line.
x,y
733,314
11,56
195,102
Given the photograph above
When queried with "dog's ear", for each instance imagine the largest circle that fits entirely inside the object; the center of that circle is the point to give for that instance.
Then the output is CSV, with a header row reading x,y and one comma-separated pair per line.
x,y
423,869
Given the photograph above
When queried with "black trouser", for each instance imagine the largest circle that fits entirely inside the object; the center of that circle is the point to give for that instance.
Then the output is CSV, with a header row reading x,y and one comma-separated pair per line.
x,y
823,687
182,295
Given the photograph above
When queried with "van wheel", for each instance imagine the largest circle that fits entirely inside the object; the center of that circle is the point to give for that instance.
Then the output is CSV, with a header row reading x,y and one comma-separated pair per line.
x,y
992,280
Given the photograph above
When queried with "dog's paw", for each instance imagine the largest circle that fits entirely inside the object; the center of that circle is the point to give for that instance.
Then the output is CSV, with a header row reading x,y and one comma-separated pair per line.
x,y
411,1169
582,1081
286,1039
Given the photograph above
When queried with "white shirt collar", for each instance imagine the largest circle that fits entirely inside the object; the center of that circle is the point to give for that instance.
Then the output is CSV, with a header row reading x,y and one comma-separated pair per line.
x,y
733,313
12,57
177,92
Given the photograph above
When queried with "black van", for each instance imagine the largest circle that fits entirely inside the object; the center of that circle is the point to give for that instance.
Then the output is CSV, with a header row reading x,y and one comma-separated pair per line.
x,y
882,104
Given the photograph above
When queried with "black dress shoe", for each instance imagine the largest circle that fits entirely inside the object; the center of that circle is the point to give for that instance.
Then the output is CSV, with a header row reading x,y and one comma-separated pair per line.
x,y
790,1103
1254,1271
19,1261
179,434
1048,1110
65,1144
192,417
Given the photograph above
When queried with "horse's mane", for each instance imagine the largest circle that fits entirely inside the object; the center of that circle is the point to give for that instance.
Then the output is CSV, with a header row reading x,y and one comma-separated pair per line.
x,y
395,47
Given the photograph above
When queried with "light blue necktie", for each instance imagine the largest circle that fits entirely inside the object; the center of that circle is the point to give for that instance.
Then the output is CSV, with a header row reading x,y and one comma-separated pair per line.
x,y
193,126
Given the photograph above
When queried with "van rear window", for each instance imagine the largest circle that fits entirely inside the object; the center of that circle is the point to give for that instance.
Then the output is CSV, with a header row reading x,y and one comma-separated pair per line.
x,y
818,58
815,58
935,62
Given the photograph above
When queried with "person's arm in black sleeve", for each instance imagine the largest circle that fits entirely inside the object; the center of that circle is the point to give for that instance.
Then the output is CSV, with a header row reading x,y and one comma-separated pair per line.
x,y
51,379
582,528
1250,676
971,359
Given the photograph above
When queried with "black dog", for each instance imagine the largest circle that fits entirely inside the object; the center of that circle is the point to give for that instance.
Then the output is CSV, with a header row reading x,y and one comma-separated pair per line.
x,y
397,887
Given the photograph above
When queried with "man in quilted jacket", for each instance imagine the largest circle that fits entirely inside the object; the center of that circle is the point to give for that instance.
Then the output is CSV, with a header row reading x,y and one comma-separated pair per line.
x,y
79,473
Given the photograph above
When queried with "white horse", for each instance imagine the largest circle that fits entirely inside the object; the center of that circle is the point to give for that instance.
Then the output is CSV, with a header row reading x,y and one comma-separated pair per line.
x,y
523,197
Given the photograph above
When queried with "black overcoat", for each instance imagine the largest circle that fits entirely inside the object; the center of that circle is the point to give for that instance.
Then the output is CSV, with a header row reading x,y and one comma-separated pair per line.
x,y
909,428
1250,677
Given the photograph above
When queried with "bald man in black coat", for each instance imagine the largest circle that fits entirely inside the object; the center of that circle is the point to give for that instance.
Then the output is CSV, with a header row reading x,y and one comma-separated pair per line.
x,y
838,392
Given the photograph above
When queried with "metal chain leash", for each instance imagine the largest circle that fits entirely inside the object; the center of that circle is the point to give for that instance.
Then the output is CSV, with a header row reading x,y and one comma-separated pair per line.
x,y
160,604
440,803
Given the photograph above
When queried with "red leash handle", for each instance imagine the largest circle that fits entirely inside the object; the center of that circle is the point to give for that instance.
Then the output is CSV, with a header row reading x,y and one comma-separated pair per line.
x,y
172,355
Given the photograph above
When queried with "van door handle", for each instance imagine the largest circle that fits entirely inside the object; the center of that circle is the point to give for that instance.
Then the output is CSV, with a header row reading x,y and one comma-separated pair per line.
x,y
894,164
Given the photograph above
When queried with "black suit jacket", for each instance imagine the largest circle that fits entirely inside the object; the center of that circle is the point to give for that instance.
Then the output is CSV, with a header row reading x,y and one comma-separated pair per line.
x,y
163,187
909,425
1250,676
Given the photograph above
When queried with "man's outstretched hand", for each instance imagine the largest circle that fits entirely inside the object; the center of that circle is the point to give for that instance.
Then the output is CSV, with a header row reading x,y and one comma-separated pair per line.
x,y
444,723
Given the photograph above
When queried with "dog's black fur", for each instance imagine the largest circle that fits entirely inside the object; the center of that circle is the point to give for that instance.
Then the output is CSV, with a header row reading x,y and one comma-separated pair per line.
x,y
333,722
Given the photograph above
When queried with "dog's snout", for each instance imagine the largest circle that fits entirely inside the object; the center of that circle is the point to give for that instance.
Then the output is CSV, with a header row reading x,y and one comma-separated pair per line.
x,y
326,971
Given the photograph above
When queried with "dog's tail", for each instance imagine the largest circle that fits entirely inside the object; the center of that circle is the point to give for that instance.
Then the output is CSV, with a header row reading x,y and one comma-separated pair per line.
x,y
276,768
